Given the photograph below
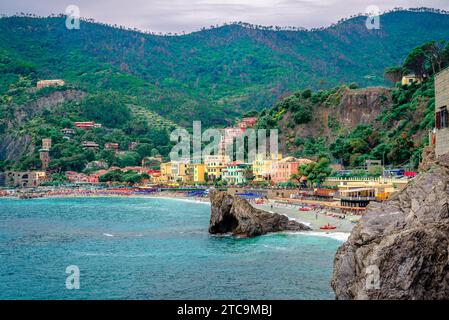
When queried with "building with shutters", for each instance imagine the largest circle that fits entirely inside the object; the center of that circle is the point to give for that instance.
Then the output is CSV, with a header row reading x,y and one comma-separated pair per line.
x,y
441,113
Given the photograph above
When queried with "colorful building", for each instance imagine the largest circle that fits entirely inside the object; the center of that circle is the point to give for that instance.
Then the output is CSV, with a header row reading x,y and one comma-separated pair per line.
x,y
234,173
441,113
90,145
215,165
68,133
81,178
282,170
112,146
410,79
262,165
25,179
166,172
247,122
87,125
175,171
49,83
199,172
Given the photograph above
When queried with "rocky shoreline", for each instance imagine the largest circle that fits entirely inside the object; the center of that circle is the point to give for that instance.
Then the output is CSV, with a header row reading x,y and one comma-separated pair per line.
x,y
400,248
232,214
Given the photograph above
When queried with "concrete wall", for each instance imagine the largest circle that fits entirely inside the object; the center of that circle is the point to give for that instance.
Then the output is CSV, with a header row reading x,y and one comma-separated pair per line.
x,y
442,99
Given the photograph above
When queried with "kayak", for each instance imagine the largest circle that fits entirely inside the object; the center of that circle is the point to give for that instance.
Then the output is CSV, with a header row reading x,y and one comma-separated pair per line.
x,y
328,227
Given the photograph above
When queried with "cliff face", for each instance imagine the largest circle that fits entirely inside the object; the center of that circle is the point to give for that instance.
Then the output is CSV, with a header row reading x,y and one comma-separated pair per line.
x,y
14,143
348,109
235,215
400,248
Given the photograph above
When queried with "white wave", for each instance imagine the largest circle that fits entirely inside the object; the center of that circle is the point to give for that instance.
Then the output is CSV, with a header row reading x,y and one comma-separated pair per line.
x,y
300,221
108,235
340,236
183,199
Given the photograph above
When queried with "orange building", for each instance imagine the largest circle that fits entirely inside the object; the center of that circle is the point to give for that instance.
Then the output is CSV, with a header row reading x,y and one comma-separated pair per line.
x,y
282,170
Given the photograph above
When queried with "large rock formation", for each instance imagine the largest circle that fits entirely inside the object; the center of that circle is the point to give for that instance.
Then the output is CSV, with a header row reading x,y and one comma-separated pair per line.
x,y
233,214
400,248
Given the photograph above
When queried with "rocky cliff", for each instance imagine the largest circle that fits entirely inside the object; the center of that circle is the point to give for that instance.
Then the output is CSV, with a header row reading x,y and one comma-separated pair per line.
x,y
232,214
400,248
13,142
346,109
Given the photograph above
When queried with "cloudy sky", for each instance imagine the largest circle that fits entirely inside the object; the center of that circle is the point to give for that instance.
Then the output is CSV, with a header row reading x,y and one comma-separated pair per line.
x,y
189,15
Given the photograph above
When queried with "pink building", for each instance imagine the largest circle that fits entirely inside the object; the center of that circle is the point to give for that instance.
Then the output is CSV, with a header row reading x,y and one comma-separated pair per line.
x,y
75,177
282,170
87,125
248,122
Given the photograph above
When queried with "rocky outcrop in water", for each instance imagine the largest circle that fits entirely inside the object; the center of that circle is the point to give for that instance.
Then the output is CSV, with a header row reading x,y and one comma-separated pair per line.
x,y
233,214
400,248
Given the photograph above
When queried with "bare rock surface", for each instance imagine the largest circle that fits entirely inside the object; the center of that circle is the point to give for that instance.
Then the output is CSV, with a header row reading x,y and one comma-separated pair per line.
x,y
400,248
233,214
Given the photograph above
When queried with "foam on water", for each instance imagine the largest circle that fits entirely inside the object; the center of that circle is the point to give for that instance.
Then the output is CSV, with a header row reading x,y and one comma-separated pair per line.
x,y
340,236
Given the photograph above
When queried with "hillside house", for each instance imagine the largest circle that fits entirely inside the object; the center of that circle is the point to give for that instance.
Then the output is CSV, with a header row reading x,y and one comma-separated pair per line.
x,y
410,79
86,125
49,83
24,179
112,146
90,145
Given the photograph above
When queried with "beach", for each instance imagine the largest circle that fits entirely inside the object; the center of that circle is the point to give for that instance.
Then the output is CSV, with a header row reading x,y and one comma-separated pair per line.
x,y
315,218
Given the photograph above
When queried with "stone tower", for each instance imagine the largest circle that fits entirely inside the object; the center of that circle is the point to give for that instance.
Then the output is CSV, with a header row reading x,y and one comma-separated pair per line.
x,y
44,153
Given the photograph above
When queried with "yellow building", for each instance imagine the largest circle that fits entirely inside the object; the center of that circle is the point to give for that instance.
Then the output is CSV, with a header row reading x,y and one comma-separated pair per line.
x,y
25,179
409,79
166,172
199,171
180,171
262,166
382,187
175,171
215,165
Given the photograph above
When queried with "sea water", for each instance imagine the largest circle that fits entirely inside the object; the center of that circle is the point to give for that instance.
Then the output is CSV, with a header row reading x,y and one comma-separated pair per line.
x,y
150,248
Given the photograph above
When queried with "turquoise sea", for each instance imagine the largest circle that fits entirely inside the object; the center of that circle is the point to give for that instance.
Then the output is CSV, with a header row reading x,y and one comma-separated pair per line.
x,y
150,248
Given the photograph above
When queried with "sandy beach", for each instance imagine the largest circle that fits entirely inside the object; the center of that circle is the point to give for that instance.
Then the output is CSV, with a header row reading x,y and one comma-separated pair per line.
x,y
315,218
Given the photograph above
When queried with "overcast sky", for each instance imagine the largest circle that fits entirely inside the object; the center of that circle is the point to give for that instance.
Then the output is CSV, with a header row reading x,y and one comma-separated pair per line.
x,y
189,15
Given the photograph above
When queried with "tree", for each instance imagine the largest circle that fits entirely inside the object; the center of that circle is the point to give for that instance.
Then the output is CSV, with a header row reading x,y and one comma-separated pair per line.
x,y
316,172
248,174
401,149
415,62
129,159
393,74
107,109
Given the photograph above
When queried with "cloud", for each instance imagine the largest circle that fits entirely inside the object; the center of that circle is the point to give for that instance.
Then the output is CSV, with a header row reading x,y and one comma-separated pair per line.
x,y
190,15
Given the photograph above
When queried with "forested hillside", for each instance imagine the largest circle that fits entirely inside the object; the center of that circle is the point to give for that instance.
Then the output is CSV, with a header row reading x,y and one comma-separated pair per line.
x,y
351,124
140,86
217,74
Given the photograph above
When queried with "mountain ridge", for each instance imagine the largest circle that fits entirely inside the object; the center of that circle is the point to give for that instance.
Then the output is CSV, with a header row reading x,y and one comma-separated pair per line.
x,y
215,75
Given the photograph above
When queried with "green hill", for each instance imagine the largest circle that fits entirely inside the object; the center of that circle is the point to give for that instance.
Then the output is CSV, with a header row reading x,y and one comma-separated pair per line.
x,y
140,86
214,75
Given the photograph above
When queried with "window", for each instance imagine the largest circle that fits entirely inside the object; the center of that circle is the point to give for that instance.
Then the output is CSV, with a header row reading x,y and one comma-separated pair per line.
x,y
442,118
